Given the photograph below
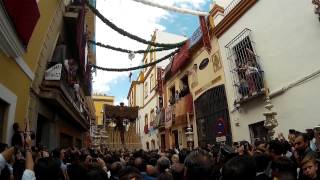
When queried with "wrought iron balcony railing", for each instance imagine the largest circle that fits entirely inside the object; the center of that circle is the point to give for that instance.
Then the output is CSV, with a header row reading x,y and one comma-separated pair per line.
x,y
245,68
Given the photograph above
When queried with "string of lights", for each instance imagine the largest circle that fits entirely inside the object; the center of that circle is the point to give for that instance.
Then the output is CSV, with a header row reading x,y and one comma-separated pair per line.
x,y
127,34
136,67
129,51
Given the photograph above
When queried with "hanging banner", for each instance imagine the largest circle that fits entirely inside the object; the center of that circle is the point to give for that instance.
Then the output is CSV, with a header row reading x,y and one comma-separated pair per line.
x,y
205,32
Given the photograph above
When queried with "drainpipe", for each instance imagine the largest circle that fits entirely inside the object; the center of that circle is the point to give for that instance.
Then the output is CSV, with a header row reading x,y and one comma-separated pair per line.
x,y
293,84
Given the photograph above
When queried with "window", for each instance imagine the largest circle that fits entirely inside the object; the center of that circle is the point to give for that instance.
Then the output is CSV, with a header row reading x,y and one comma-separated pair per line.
x,y
247,75
146,123
146,90
3,107
172,93
152,118
152,82
151,56
148,146
184,86
258,132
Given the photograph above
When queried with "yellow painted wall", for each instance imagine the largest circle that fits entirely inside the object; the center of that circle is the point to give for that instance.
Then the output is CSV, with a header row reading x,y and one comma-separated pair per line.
x,y
207,75
99,102
11,76
47,11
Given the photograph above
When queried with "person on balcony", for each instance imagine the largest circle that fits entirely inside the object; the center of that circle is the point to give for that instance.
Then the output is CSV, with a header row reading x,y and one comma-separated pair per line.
x,y
317,3
250,73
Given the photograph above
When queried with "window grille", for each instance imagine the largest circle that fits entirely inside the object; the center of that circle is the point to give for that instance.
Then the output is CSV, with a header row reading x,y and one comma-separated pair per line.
x,y
244,63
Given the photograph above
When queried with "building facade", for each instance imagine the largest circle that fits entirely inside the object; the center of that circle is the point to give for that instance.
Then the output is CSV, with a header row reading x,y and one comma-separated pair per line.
x,y
151,98
49,82
195,93
269,53
99,101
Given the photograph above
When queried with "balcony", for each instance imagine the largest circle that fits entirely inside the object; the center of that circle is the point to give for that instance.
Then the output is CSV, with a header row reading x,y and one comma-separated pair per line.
x,y
57,90
246,72
74,20
183,107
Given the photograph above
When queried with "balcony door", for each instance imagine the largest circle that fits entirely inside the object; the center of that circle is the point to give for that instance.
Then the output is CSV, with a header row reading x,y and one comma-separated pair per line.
x,y
3,107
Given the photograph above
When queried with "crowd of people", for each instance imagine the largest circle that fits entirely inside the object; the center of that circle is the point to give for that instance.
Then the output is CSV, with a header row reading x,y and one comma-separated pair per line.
x,y
282,158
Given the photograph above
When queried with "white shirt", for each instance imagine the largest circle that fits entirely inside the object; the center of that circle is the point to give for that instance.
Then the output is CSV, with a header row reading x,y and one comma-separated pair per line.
x,y
28,175
3,163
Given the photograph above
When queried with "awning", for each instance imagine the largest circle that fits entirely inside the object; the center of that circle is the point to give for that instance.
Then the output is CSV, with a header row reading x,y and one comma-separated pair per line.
x,y
181,58
24,15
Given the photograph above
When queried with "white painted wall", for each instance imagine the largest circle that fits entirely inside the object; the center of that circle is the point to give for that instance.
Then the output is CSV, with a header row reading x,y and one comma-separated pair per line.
x,y
153,134
286,35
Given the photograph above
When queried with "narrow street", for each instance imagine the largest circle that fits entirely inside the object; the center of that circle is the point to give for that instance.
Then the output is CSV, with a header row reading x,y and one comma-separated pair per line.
x,y
168,90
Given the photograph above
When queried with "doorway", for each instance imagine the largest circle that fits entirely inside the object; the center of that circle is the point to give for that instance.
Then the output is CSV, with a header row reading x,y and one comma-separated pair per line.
x,y
163,142
43,131
175,139
3,107
212,116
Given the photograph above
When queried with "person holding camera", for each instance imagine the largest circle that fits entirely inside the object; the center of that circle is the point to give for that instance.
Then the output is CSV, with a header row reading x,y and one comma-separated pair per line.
x,y
244,148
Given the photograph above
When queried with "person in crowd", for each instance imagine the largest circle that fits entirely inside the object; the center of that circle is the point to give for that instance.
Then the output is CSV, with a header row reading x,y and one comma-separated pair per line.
x,y
301,146
244,148
283,168
199,165
262,161
115,169
130,173
175,159
309,168
260,146
163,164
17,137
275,149
239,167
141,165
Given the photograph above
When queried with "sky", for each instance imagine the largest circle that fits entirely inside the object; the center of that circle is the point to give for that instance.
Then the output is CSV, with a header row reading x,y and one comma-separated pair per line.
x,y
140,20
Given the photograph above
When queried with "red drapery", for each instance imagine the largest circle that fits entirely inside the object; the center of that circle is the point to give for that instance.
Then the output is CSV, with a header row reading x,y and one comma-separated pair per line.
x,y
181,58
80,37
205,33
24,15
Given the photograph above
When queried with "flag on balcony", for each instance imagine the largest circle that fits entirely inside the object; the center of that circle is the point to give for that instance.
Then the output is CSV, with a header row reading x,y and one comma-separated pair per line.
x,y
24,15
205,32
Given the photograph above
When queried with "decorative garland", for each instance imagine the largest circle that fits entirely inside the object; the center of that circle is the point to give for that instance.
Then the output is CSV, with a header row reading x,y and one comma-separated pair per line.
x,y
129,51
137,67
170,8
127,34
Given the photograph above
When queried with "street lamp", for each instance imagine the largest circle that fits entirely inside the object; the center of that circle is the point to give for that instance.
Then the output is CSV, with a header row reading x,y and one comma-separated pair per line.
x,y
271,121
189,134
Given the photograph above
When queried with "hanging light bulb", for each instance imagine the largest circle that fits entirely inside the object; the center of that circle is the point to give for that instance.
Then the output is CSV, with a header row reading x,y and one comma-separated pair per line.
x,y
131,55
